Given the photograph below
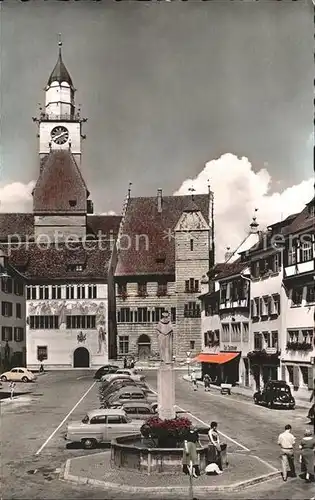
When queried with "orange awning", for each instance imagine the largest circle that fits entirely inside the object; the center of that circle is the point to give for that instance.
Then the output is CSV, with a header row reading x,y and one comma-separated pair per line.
x,y
220,358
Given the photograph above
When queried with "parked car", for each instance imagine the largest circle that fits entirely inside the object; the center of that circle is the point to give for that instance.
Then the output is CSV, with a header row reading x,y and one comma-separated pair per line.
x,y
275,394
136,409
18,374
116,385
114,376
105,370
126,394
101,426
132,373
131,389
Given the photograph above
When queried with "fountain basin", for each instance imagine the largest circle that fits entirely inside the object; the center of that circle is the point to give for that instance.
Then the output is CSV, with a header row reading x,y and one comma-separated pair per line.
x,y
133,453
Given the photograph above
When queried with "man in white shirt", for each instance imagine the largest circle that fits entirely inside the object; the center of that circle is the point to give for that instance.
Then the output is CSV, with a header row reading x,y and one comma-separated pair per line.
x,y
286,441
194,380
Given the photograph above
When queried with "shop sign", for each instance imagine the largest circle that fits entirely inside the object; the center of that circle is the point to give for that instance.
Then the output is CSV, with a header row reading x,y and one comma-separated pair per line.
x,y
230,348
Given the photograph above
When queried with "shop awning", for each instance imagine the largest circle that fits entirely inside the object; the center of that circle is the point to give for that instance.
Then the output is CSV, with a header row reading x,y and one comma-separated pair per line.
x,y
219,359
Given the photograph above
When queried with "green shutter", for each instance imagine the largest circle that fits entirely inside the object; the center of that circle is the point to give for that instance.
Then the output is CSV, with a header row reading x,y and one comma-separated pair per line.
x,y
296,377
311,376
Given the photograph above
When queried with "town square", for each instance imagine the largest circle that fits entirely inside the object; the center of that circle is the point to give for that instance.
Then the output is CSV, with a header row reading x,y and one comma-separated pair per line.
x,y
157,249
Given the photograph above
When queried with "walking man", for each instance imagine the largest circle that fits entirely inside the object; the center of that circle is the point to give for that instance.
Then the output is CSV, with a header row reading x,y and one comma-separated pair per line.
x,y
12,386
206,381
286,441
194,380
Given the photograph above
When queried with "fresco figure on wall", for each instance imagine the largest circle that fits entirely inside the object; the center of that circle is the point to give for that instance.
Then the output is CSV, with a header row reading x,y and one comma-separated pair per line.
x,y
101,340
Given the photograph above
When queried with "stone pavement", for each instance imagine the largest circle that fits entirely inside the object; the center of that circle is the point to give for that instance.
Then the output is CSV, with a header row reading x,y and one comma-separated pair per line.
x,y
243,471
248,393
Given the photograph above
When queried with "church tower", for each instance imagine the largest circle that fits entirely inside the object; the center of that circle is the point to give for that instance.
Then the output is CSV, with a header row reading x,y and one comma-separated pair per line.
x,y
60,196
60,124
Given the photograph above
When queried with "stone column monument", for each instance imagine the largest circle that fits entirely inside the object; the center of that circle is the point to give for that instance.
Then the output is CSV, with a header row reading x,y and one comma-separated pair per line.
x,y
166,379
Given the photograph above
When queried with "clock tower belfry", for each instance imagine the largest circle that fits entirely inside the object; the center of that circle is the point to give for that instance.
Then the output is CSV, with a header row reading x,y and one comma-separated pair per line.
x,y
59,123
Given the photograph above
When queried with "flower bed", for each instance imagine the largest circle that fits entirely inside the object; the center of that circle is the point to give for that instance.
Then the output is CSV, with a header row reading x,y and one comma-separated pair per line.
x,y
166,433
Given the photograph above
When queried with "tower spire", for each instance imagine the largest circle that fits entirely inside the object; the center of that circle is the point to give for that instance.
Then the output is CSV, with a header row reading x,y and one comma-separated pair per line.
x,y
59,44
60,73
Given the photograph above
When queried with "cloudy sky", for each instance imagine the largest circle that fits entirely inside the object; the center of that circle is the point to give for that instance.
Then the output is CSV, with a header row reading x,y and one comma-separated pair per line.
x,y
175,93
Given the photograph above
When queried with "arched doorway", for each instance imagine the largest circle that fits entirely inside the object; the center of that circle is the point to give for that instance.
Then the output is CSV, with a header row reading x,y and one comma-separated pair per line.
x,y
81,358
144,347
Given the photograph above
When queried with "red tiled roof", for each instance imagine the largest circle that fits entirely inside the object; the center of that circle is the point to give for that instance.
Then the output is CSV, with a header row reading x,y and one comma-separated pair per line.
x,y
103,225
142,218
302,221
231,269
57,263
60,181
19,223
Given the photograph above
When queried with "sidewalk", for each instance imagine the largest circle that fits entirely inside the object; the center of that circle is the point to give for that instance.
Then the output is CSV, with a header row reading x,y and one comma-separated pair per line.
x,y
247,392
96,470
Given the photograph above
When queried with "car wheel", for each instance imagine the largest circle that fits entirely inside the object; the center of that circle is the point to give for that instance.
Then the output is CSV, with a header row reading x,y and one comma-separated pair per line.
x,y
88,444
25,379
4,378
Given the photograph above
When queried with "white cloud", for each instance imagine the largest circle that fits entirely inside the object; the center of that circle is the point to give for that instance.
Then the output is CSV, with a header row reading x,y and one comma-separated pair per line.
x,y
238,190
16,197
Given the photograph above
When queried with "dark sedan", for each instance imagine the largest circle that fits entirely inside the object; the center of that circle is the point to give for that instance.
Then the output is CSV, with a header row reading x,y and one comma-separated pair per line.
x,y
275,394
105,370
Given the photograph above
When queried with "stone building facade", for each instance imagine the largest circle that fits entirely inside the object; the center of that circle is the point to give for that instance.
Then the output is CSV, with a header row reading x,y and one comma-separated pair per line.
x,y
163,271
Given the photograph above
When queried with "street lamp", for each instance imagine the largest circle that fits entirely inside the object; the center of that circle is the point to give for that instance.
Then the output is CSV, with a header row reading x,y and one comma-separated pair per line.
x,y
4,274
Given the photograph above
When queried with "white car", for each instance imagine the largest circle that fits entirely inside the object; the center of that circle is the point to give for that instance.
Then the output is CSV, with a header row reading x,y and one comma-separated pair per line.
x,y
99,426
18,374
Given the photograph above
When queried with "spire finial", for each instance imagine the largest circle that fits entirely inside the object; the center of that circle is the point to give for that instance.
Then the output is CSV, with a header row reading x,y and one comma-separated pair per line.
x,y
192,190
59,43
129,190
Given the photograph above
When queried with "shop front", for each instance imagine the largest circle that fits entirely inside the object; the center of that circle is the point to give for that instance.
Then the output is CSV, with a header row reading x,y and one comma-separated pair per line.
x,y
222,367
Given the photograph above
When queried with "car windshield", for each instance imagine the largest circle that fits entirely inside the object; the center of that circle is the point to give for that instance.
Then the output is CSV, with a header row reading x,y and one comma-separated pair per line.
x,y
85,420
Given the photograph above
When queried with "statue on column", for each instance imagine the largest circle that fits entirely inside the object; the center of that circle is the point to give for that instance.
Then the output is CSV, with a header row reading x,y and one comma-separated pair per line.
x,y
165,338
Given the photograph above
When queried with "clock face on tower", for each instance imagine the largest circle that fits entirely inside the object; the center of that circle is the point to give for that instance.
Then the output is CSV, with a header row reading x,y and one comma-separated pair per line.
x,y
59,134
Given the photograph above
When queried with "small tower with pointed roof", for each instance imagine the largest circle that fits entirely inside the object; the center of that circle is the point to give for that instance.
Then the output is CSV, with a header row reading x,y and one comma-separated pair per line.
x,y
59,123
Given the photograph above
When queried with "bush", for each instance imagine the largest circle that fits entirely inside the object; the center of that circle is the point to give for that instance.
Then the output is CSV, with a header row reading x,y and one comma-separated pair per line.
x,y
166,433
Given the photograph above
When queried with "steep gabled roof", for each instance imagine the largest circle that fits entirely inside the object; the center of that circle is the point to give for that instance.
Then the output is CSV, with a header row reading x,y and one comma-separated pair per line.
x,y
21,224
154,232
60,181
232,269
59,263
303,221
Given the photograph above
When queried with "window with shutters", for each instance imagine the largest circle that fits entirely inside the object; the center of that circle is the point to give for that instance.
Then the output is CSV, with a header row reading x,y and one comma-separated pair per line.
x,y
6,333
255,269
264,306
162,289
266,340
258,341
18,310
18,288
304,373
18,334
274,339
306,252
275,262
275,304
297,295
223,294
225,332
142,289
6,285
290,373
245,332
307,336
293,335
192,310
310,294
292,252
6,309
236,332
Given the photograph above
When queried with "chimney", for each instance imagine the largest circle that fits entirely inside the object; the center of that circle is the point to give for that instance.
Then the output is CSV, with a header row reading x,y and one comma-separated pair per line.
x,y
159,200
228,254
